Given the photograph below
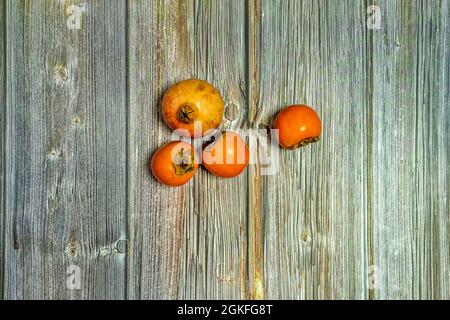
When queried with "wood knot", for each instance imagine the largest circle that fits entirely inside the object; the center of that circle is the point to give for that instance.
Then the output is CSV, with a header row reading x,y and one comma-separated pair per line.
x,y
54,154
232,112
72,249
60,72
304,236
105,251
77,120
122,246
16,243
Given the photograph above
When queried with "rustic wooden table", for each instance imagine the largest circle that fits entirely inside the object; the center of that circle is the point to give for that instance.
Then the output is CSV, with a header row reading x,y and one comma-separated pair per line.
x,y
362,214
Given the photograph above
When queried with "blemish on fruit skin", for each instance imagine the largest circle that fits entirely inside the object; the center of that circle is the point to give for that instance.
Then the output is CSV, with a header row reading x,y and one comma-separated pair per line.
x,y
201,87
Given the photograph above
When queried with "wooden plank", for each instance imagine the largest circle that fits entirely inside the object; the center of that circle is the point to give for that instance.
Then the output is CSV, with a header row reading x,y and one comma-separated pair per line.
x,y
364,213
66,154
255,192
158,50
2,135
187,242
315,209
411,123
214,255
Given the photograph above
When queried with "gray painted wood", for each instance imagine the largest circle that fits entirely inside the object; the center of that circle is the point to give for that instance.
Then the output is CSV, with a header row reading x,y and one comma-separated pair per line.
x,y
363,213
65,150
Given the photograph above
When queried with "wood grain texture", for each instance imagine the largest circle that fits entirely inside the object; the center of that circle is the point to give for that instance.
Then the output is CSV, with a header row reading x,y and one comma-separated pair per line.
x,y
362,214
158,53
187,242
214,252
65,150
315,208
2,136
411,123
255,197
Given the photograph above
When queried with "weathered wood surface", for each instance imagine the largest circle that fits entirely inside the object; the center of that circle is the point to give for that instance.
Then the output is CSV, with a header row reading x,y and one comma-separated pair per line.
x,y
186,243
315,208
410,148
156,46
65,150
213,261
2,134
363,213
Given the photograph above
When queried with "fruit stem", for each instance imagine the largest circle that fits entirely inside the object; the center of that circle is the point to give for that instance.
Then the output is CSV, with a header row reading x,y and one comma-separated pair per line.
x,y
184,162
187,113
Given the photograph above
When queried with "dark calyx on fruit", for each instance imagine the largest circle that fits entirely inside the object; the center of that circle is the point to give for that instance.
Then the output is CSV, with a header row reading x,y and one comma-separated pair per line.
x,y
184,162
187,113
304,142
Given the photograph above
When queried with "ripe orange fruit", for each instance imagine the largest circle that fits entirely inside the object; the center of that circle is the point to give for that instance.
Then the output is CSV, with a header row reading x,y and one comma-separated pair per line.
x,y
191,101
175,163
226,157
298,126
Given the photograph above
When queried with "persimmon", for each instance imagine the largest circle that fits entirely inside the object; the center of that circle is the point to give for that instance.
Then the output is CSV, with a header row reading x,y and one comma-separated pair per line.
x,y
191,103
227,156
175,163
298,126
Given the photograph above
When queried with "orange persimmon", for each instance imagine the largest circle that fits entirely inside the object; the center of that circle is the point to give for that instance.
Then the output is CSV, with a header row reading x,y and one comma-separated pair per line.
x,y
298,126
194,106
227,156
175,163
